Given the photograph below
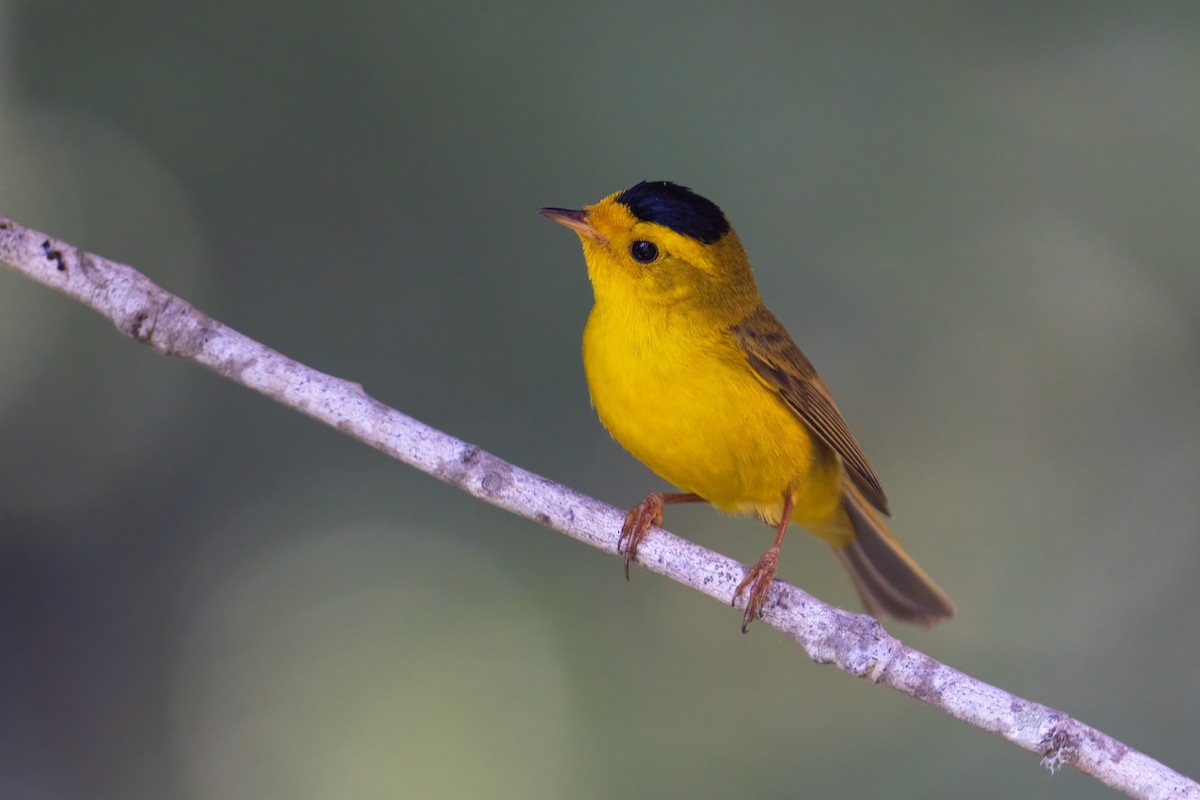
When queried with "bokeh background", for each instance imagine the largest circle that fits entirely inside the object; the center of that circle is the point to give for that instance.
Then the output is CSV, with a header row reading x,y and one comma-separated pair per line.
x,y
979,220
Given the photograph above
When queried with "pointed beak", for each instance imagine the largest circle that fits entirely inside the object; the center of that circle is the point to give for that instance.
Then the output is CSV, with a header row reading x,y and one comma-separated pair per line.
x,y
575,220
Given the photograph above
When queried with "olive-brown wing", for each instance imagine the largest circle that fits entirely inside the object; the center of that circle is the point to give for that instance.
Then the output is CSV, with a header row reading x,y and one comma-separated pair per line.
x,y
780,364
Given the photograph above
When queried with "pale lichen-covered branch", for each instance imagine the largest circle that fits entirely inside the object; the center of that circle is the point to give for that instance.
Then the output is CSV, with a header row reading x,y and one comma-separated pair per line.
x,y
855,643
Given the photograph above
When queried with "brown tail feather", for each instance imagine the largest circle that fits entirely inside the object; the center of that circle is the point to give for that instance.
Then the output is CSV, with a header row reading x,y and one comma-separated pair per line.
x,y
887,579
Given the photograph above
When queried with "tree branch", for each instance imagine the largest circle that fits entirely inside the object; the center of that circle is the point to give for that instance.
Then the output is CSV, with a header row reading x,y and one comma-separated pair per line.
x,y
857,644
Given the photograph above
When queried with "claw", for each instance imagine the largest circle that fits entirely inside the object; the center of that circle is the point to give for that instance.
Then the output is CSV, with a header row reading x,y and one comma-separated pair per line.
x,y
759,578
644,516
638,521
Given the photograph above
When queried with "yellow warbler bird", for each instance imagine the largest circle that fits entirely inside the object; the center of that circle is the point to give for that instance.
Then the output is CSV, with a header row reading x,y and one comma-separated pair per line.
x,y
691,373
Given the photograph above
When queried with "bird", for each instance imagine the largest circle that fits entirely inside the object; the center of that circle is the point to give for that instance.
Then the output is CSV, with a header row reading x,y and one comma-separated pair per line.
x,y
689,372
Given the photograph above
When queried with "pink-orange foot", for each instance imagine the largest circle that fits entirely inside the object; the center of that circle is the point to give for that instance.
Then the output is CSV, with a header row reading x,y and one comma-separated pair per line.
x,y
759,579
642,517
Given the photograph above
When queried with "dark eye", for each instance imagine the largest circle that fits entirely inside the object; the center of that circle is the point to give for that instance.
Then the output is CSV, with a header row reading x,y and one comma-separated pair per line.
x,y
643,251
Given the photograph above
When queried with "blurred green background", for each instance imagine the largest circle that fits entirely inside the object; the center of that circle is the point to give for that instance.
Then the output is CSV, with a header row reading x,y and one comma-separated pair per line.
x,y
979,220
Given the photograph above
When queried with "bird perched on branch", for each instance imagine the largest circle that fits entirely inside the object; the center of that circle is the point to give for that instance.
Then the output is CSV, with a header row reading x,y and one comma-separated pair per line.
x,y
692,374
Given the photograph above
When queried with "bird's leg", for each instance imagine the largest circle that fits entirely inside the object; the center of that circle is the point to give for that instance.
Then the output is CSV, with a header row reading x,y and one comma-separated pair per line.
x,y
641,517
762,575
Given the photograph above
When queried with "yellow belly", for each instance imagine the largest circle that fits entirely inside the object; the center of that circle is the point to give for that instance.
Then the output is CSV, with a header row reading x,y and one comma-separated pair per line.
x,y
691,408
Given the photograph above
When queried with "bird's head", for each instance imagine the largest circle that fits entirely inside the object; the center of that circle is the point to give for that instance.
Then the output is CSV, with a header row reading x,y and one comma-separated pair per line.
x,y
661,244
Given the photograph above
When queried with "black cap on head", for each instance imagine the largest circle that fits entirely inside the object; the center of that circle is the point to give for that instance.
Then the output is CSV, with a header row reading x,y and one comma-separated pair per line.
x,y
676,207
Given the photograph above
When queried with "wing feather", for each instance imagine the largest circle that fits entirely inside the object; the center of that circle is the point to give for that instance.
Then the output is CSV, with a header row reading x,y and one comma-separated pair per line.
x,y
781,366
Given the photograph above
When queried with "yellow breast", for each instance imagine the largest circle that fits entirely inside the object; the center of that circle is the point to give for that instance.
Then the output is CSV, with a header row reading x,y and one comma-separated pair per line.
x,y
684,401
